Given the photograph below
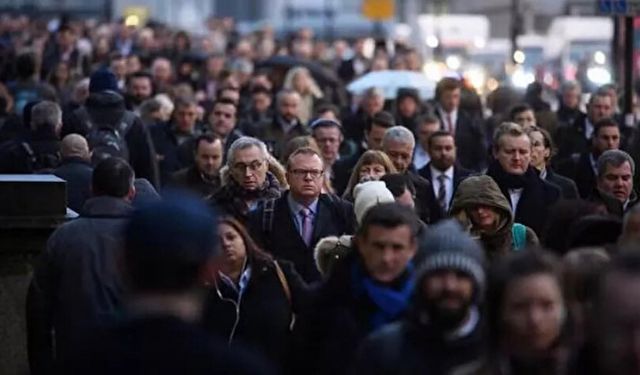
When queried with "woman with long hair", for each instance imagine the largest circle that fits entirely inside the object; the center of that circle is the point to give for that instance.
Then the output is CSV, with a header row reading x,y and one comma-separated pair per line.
x,y
371,166
253,299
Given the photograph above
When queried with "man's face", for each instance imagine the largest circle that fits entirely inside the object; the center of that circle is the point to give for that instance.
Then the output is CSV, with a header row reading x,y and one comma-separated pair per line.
x,y
617,181
447,295
162,71
407,106
386,251
600,107
141,88
373,104
514,153
450,100
223,119
399,153
618,325
424,132
571,98
526,119
66,39
443,152
304,176
185,118
250,168
374,137
608,138
215,65
209,157
288,107
261,102
329,139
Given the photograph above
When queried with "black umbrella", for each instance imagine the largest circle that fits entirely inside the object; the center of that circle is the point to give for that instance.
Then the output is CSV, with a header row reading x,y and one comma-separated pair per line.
x,y
321,74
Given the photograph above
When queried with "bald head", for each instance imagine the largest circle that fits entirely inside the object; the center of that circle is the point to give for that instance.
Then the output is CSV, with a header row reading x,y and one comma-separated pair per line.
x,y
75,146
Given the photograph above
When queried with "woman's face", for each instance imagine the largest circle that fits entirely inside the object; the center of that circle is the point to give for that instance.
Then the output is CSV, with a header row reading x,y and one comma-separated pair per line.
x,y
300,82
232,245
371,172
484,217
539,153
532,313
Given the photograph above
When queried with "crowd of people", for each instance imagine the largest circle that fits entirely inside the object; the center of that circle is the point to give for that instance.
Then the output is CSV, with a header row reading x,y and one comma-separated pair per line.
x,y
239,216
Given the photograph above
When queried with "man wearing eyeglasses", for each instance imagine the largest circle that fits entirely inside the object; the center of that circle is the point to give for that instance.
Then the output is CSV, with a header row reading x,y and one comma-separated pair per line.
x,y
290,227
248,180
223,120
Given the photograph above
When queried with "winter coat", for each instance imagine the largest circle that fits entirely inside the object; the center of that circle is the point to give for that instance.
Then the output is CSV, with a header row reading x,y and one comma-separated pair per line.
x,y
567,187
191,179
483,190
76,283
230,198
171,156
77,173
537,195
470,141
579,169
109,107
334,216
275,138
162,345
336,322
261,318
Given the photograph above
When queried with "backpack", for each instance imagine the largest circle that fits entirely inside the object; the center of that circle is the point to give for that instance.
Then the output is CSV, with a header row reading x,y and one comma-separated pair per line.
x,y
107,140
16,157
519,236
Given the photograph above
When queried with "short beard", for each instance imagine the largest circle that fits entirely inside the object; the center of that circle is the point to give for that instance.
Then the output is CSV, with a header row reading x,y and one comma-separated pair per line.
x,y
444,318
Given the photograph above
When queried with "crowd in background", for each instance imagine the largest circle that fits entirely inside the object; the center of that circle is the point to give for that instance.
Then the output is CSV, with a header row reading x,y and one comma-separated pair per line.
x,y
332,233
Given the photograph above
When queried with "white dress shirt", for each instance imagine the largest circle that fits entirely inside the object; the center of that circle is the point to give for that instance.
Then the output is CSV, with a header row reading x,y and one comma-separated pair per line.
x,y
420,157
435,173
588,129
515,195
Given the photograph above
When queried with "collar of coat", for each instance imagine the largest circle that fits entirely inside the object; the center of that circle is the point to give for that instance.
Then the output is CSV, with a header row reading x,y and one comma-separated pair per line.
x,y
106,207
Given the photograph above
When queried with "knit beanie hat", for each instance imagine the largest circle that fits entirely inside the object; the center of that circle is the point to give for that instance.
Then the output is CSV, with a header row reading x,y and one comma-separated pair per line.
x,y
369,194
449,247
103,80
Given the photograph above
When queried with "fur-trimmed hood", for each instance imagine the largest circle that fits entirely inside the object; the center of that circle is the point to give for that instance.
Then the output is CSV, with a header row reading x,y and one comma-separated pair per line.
x,y
331,250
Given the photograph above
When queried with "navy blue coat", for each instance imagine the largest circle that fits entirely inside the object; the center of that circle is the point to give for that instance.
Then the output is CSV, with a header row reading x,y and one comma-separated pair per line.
x,y
77,173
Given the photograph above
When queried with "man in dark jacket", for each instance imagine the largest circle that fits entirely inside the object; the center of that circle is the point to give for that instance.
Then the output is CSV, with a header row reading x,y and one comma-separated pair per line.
x,y
367,289
247,180
77,283
468,133
408,108
442,171
174,141
530,196
44,138
286,123
105,108
202,178
443,330
615,177
163,264
569,111
575,138
223,122
355,124
76,170
291,226
581,168
398,144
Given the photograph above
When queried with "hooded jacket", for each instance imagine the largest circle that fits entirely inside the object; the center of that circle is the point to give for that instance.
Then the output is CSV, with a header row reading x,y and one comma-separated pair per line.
x,y
483,190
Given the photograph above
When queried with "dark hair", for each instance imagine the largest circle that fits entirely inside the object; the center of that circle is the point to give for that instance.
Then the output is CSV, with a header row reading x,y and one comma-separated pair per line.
x,y
562,216
397,183
260,89
113,177
254,252
546,138
505,271
389,215
519,108
382,118
206,137
439,133
140,74
581,273
26,65
325,123
447,84
604,123
327,107
183,101
427,119
225,101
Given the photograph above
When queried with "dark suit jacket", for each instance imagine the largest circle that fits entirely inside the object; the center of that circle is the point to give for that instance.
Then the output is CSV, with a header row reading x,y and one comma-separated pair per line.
x,y
342,170
567,187
459,174
275,138
171,156
580,170
570,139
190,179
470,141
427,207
334,218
